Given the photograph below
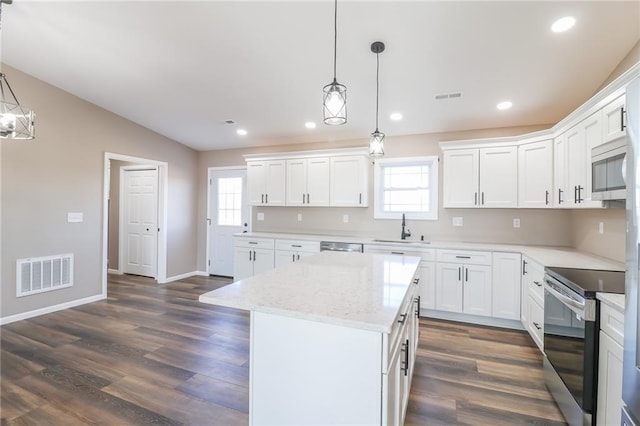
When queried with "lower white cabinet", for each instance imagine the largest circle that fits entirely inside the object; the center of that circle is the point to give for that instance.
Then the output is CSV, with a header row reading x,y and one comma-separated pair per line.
x,y
427,290
610,366
532,300
463,288
506,286
289,251
252,256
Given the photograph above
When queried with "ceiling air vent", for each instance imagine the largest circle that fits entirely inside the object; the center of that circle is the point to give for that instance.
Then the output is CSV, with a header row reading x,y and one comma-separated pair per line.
x,y
452,95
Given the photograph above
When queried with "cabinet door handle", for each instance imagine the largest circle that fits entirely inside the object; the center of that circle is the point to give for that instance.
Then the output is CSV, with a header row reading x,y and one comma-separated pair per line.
x,y
418,307
459,274
560,191
483,198
405,345
254,255
297,257
250,255
266,198
466,275
622,125
360,198
537,326
404,318
307,198
575,195
537,283
524,267
303,198
475,198
262,199
580,199
293,257
546,198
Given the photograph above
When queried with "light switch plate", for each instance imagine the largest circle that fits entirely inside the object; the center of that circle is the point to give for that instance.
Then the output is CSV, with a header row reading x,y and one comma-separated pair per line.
x,y
75,217
458,221
299,217
345,218
516,223
601,227
260,216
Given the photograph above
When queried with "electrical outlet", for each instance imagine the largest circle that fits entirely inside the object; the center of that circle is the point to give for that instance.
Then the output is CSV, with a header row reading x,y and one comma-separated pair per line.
x,y
261,216
516,223
345,218
458,221
299,217
601,227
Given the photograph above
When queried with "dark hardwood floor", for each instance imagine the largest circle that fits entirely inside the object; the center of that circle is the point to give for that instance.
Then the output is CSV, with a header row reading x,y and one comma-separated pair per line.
x,y
153,354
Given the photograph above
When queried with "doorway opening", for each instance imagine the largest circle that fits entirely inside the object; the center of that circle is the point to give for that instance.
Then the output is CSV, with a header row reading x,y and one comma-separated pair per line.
x,y
144,205
227,214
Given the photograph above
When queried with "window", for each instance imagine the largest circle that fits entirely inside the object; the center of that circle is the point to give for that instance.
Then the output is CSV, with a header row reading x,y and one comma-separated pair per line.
x,y
406,185
230,201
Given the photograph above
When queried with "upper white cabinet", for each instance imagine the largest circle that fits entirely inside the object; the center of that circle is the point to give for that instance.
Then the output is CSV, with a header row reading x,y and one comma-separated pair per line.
x,y
485,177
614,120
324,178
308,181
349,181
535,174
572,165
266,182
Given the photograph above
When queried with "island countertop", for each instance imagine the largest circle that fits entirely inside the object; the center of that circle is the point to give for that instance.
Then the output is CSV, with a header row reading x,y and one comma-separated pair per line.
x,y
358,290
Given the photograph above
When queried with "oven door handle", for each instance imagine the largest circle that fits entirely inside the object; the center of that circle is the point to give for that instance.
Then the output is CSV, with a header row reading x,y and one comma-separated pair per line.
x,y
574,305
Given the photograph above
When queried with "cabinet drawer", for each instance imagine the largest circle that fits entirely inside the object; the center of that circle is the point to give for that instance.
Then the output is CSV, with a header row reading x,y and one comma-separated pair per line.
x,y
424,254
536,322
536,289
297,245
266,243
612,323
468,257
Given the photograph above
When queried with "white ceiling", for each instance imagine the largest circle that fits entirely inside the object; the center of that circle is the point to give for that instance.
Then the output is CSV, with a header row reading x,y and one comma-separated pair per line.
x,y
181,68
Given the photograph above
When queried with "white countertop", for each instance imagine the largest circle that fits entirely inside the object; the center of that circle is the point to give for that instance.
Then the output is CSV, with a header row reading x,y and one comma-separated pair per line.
x,y
616,301
545,255
349,289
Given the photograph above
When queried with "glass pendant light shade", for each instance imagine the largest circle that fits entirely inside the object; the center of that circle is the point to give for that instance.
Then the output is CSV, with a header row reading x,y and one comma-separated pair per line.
x,y
16,121
376,144
335,104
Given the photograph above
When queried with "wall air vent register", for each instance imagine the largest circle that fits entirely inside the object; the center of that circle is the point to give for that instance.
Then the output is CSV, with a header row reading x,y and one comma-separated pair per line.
x,y
37,275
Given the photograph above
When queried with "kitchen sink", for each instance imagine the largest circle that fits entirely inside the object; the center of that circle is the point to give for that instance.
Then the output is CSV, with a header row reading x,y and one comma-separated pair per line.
x,y
401,241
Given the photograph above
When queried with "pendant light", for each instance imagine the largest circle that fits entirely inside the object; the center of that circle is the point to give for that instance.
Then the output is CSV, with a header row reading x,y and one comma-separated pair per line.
x,y
376,143
335,94
16,121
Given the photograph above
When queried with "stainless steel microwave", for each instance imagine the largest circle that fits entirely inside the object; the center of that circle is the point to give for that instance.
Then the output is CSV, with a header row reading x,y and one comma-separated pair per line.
x,y
608,163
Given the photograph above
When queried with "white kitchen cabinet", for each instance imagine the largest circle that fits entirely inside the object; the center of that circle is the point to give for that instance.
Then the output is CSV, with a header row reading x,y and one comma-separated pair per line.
x,y
308,181
614,120
532,302
572,163
252,256
485,177
535,174
427,285
535,326
349,181
463,287
610,367
289,251
266,182
506,285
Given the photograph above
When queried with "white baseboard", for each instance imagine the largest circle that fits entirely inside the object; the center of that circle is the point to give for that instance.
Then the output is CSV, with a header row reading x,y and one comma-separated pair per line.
x,y
181,276
115,271
472,319
50,309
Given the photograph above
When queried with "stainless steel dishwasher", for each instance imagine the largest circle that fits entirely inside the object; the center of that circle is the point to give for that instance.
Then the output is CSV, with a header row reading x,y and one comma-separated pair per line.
x,y
336,246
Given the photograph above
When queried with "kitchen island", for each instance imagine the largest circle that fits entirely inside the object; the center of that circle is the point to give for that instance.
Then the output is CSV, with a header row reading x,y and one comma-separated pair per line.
x,y
333,338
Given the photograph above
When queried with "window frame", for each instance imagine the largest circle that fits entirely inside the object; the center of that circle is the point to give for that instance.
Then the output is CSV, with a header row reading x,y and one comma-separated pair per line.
x,y
378,189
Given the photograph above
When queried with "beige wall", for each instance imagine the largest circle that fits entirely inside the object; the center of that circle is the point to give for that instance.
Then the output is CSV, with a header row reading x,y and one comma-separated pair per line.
x,y
62,171
586,236
632,58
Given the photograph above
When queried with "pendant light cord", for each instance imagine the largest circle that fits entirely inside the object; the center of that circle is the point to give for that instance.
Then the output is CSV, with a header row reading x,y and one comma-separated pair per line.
x,y
377,86
335,37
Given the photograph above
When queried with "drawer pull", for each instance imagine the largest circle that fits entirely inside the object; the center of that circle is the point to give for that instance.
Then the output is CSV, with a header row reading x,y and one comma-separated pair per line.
x,y
463,257
296,245
537,325
397,252
253,242
417,299
416,280
537,283
405,349
404,318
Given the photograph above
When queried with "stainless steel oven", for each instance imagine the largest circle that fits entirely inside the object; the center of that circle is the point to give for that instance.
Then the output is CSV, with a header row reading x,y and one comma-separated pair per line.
x,y
571,327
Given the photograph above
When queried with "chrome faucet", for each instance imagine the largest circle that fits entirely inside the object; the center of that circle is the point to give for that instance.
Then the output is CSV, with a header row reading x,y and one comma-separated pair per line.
x,y
404,233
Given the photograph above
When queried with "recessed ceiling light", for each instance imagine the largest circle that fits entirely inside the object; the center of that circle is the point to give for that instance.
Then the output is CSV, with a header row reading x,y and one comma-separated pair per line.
x,y
563,24
396,116
504,105
310,125
241,132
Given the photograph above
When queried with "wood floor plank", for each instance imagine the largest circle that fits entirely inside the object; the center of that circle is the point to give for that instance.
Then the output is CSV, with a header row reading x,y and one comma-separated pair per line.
x,y
151,353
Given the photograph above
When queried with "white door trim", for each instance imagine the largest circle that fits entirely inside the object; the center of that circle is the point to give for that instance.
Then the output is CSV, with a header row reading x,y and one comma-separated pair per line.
x,y
163,189
121,229
210,170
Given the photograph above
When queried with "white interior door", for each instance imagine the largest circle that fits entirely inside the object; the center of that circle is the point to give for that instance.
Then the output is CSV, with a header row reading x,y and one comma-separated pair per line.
x,y
140,221
228,215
